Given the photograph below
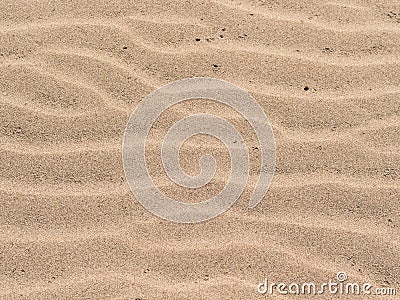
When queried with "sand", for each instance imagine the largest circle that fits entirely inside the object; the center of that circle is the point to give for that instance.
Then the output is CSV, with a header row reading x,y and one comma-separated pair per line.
x,y
326,74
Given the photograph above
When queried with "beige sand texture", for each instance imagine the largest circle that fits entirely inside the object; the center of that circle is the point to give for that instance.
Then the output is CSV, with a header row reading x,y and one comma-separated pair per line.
x,y
72,72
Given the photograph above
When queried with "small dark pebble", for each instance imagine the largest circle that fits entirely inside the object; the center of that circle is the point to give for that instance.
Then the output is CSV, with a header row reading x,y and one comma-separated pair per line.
x,y
215,66
125,47
197,40
306,88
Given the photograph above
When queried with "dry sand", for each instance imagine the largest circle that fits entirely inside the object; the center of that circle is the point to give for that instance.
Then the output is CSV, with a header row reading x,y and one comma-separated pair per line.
x,y
71,73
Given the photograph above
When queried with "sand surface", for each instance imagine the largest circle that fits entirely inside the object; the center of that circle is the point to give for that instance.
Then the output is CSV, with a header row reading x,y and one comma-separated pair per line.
x,y
327,75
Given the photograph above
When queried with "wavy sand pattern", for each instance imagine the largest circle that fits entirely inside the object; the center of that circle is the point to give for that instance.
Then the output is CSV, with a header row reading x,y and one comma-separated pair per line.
x,y
327,74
